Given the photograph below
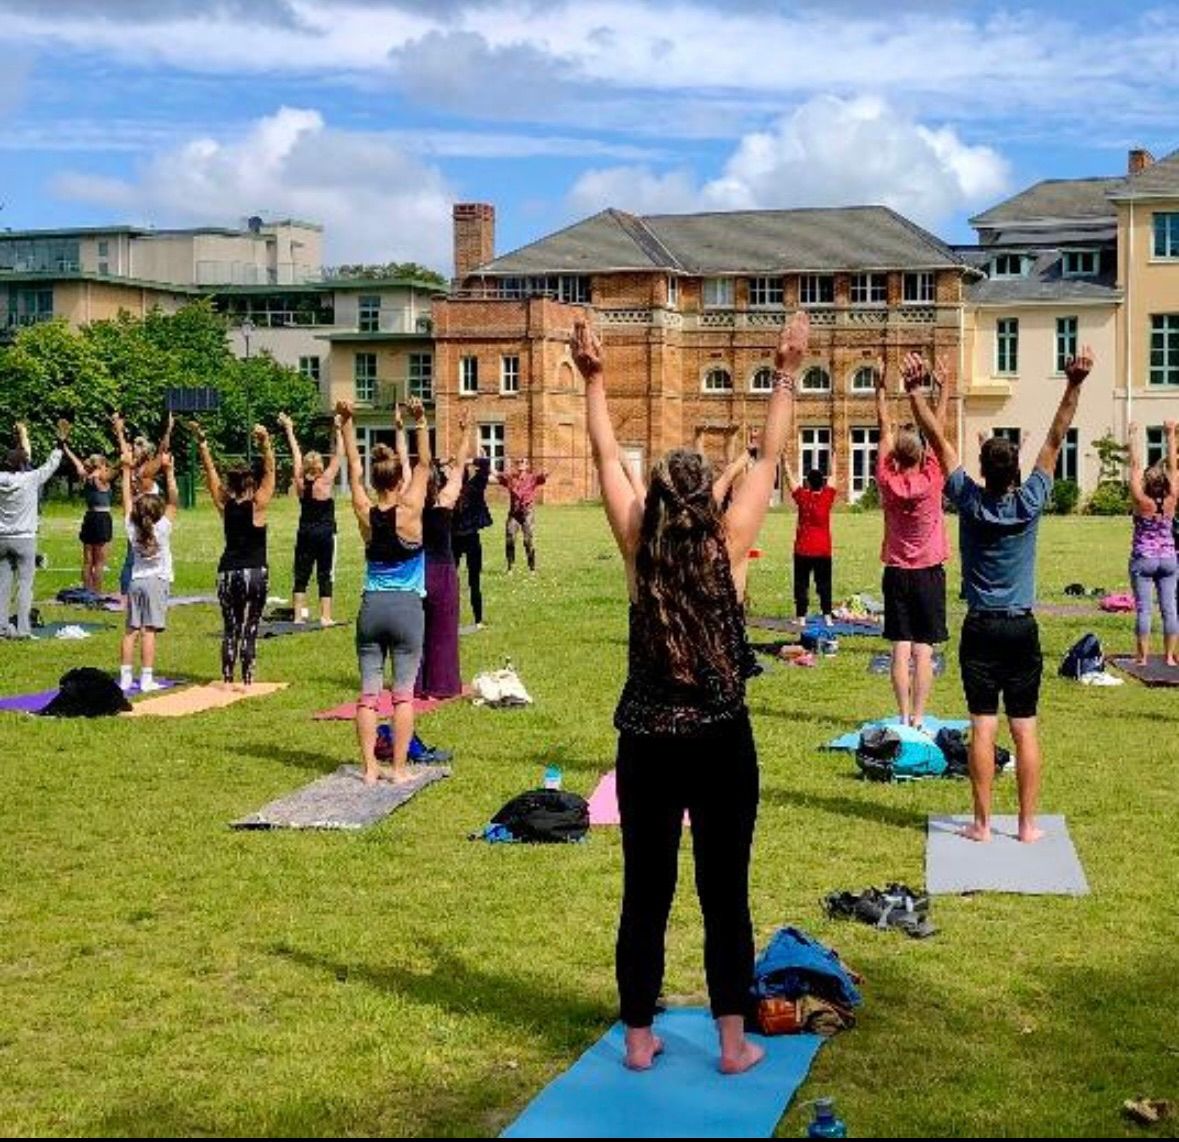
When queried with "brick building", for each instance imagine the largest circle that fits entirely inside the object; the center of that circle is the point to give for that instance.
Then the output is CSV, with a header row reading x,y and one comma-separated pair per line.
x,y
690,308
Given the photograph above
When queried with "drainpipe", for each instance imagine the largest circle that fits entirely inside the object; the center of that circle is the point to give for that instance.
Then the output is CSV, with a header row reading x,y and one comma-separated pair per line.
x,y
961,380
1129,325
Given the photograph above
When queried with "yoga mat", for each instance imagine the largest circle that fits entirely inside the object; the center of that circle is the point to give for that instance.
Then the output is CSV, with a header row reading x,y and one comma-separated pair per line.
x,y
882,664
1155,673
198,699
682,1096
341,800
35,703
191,600
1050,867
470,628
49,630
843,629
603,802
278,629
851,740
767,622
347,711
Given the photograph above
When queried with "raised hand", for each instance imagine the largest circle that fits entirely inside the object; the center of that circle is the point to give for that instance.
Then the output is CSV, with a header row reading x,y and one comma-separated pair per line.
x,y
941,372
194,426
1169,427
462,423
1077,368
792,344
63,429
880,375
586,348
398,417
285,422
416,409
1133,429
337,422
914,371
344,410
260,434
167,461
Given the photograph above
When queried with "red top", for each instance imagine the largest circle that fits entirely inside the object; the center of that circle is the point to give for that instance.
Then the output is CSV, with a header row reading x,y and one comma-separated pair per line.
x,y
814,521
522,487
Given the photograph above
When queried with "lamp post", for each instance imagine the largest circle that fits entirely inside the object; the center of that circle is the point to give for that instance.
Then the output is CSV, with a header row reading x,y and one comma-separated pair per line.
x,y
247,328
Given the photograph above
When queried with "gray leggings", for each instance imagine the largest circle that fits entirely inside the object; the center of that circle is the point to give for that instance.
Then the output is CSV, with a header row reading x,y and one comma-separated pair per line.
x,y
1163,574
390,623
18,559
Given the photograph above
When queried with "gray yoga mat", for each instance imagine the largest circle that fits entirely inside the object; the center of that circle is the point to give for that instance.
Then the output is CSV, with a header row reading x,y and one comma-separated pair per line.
x,y
284,627
768,622
1050,867
882,664
341,800
1155,673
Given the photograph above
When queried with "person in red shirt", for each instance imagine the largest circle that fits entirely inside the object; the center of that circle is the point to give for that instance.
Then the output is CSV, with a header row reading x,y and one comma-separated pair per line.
x,y
812,540
522,484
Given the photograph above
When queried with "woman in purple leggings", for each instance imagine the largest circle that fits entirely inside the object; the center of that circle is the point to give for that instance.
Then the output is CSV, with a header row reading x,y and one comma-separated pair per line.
x,y
1152,557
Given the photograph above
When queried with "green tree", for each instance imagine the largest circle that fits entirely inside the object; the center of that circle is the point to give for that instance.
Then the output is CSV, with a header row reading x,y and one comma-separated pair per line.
x,y
378,271
1112,494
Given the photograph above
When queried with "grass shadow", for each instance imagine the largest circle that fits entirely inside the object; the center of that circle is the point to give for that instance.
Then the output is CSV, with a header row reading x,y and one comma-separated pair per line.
x,y
304,759
872,811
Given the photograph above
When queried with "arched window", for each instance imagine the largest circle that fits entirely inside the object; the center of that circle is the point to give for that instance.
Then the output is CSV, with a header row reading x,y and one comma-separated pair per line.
x,y
864,379
816,380
718,380
762,380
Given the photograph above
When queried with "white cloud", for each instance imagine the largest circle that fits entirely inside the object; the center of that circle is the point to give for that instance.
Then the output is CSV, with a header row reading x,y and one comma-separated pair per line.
x,y
829,152
376,202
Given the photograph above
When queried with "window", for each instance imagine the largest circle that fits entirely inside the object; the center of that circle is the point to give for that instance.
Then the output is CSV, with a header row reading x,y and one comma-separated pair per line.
x,y
816,380
817,289
1156,448
814,450
1164,349
1067,461
673,293
366,377
1166,235
865,443
918,289
104,248
718,293
370,314
869,289
491,440
468,376
1080,263
1011,434
1007,345
864,379
104,267
764,292
573,288
309,368
1007,266
32,306
421,376
762,380
718,380
509,374
1066,341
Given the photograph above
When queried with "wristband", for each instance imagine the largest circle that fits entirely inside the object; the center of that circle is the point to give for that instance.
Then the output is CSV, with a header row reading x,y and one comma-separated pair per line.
x,y
783,382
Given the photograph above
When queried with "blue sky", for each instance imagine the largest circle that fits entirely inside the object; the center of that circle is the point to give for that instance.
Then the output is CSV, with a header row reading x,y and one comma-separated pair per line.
x,y
373,116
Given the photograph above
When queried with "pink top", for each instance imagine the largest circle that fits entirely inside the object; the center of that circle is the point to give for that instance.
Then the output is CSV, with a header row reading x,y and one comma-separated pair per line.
x,y
522,488
914,524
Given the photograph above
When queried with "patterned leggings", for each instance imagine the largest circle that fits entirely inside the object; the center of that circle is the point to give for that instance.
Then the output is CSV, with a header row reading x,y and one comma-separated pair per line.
x,y
242,595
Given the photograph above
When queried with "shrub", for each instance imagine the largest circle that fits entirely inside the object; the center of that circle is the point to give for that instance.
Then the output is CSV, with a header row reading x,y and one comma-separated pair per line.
x,y
1112,497
1065,494
869,500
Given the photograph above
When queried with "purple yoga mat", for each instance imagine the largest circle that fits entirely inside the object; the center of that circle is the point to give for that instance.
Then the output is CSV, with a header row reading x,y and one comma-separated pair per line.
x,y
35,703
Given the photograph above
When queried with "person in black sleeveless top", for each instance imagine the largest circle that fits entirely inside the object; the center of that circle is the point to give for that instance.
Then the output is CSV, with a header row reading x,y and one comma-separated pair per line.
x,y
682,715
315,541
242,574
97,525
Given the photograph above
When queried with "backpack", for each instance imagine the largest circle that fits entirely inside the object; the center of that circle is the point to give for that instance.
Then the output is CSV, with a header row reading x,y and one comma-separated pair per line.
x,y
898,753
1084,657
1075,589
87,693
545,816
500,688
955,750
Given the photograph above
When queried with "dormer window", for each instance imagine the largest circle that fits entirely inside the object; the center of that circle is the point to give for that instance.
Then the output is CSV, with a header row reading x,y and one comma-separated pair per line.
x,y
1008,266
1080,263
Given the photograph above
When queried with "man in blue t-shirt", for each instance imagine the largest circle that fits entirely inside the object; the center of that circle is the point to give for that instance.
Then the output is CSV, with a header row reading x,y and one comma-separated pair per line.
x,y
1000,649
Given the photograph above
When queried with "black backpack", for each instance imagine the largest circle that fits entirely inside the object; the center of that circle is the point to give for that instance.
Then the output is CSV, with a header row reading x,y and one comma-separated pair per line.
x,y
1084,657
87,693
545,816
877,752
954,747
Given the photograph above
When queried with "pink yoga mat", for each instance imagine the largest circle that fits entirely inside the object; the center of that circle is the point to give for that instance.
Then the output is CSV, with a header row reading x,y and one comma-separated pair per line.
x,y
347,712
603,803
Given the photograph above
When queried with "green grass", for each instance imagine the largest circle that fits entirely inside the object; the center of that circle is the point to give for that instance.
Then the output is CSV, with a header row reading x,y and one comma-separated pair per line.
x,y
163,975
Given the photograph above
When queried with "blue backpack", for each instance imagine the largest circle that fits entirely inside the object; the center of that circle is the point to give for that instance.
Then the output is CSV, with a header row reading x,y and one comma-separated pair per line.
x,y
898,753
795,964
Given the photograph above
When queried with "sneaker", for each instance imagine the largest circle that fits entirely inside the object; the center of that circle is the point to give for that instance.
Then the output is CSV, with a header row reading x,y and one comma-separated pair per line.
x,y
422,754
149,687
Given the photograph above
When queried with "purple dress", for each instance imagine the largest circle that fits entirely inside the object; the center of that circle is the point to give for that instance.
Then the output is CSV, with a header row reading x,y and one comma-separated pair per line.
x,y
439,675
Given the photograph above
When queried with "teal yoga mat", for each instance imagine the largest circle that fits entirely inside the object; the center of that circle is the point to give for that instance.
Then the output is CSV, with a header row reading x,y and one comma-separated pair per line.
x,y
851,741
682,1096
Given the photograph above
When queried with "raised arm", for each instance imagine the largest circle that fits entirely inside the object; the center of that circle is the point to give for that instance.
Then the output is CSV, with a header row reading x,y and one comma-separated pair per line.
x,y
22,439
120,429
332,470
624,508
729,477
126,470
1076,369
151,468
172,503
941,374
1169,428
212,479
448,494
752,499
1136,490
883,417
915,375
361,504
70,455
265,492
288,427
788,475
401,446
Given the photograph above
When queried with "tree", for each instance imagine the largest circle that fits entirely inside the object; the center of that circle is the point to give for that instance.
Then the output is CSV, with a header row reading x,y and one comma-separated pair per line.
x,y
378,271
1112,494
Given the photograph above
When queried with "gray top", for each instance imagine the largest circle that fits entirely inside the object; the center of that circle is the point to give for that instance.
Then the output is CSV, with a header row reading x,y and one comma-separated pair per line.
x,y
19,493
997,541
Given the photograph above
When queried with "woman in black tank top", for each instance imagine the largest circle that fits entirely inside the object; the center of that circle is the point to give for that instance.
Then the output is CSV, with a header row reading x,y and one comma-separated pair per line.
x,y
97,526
682,712
315,541
242,574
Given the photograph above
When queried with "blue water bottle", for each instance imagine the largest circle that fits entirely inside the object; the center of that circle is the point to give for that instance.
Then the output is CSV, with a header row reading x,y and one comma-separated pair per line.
x,y
825,1124
552,777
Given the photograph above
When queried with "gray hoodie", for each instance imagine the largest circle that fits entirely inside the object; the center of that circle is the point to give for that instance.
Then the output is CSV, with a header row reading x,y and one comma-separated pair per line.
x,y
19,493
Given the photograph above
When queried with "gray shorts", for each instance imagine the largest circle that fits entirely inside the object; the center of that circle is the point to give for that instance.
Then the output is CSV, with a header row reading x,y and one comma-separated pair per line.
x,y
390,623
147,604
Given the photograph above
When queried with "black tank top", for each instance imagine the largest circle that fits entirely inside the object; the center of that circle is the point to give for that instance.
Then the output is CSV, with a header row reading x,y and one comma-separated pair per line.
x,y
316,515
245,543
385,545
437,534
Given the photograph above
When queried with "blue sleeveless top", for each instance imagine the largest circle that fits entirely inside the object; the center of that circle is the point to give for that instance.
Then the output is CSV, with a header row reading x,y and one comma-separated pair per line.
x,y
391,564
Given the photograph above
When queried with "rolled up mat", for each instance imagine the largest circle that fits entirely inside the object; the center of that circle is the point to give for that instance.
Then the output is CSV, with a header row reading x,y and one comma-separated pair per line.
x,y
198,699
683,1095
851,741
1156,672
35,703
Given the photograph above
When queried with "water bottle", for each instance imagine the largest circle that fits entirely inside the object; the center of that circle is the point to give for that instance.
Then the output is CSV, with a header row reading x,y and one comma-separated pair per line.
x,y
552,777
825,1124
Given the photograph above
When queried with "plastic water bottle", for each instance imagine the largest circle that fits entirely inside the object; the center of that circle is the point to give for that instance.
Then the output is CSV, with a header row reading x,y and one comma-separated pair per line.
x,y
825,1124
552,777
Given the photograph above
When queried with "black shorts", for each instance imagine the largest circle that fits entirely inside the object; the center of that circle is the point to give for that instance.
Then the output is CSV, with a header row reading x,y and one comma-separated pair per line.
x,y
1000,655
915,605
97,528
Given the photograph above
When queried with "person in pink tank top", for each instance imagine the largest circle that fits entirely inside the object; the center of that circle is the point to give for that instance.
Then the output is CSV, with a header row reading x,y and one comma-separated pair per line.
x,y
1153,562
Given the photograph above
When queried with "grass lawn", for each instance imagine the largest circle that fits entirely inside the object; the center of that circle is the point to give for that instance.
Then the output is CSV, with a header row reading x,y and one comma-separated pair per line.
x,y
163,975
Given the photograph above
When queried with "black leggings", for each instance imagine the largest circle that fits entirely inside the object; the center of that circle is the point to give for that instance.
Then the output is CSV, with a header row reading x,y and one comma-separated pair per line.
x,y
804,567
714,776
242,595
471,546
315,549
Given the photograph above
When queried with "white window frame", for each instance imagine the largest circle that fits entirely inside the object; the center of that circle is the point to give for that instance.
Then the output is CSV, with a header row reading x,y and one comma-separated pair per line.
x,y
1007,344
1156,445
509,374
1072,260
814,450
1001,266
919,288
761,380
1068,463
766,293
811,371
673,292
854,385
708,381
1164,243
869,289
420,381
863,443
717,293
811,288
1164,350
1066,341
493,439
311,367
1014,435
468,376
368,393
368,316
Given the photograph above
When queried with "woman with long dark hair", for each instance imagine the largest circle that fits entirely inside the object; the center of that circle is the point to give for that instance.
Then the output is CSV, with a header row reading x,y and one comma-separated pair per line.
x,y
682,714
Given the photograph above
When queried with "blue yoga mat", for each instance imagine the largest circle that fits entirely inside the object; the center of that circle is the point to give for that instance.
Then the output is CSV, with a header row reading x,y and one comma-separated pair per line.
x,y
842,629
851,741
682,1096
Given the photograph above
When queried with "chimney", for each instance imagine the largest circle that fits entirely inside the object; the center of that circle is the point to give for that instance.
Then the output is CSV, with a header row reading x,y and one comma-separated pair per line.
x,y
474,237
1138,160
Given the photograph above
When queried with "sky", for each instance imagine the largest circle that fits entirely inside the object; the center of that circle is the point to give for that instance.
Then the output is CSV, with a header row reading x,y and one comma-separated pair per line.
x,y
374,116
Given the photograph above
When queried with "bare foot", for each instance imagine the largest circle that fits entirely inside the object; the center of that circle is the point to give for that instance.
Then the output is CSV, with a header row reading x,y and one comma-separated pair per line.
x,y
643,1047
1173,661
1029,834
748,1057
1141,661
976,832
371,775
394,775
